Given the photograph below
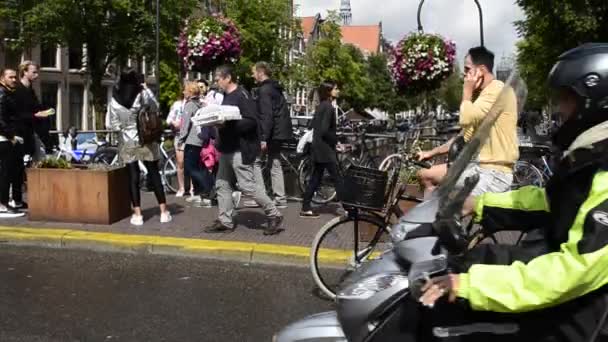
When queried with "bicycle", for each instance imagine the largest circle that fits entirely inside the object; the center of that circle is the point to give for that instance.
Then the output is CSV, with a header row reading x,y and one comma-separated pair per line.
x,y
345,242
527,173
290,163
68,148
342,232
108,155
327,191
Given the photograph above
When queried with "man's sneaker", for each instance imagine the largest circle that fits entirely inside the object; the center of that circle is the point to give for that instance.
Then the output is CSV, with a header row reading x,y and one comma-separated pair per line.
x,y
166,217
251,204
18,205
280,204
7,212
192,199
218,227
309,214
236,198
179,193
275,226
203,203
137,220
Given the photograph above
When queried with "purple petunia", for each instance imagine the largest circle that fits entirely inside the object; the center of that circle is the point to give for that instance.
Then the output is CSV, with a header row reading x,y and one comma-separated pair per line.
x,y
201,45
419,62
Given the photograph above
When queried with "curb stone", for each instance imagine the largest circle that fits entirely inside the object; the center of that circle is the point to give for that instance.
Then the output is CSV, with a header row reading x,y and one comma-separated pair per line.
x,y
248,252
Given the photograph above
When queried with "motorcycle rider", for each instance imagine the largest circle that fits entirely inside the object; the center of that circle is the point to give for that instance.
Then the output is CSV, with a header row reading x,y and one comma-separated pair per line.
x,y
560,294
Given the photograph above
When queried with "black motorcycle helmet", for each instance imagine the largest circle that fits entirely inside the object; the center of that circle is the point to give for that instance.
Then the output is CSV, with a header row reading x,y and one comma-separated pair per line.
x,y
581,73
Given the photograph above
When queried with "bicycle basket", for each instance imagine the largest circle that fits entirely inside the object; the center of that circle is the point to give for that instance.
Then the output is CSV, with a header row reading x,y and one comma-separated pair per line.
x,y
364,188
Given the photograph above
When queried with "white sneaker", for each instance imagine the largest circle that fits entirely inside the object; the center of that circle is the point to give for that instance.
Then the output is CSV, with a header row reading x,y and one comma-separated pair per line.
x,y
165,217
193,199
9,213
236,198
179,194
251,204
203,203
137,220
280,204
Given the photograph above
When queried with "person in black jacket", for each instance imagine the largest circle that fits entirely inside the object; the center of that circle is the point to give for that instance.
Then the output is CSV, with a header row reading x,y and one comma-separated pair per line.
x,y
275,125
239,145
11,167
324,143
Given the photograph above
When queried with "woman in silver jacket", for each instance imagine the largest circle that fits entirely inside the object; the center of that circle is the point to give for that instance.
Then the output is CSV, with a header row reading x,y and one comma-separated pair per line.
x,y
129,97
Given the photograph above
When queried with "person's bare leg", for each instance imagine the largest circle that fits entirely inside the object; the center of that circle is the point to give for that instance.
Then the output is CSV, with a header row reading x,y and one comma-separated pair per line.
x,y
163,207
430,178
137,211
179,156
469,206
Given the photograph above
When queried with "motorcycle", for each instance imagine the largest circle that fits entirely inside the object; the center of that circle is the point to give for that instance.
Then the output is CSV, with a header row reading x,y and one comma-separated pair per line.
x,y
375,301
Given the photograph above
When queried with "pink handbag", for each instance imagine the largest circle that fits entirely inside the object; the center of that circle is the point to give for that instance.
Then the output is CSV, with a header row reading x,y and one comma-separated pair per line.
x,y
210,155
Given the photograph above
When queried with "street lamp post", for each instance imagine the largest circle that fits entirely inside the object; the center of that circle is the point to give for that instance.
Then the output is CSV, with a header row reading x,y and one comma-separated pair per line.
x,y
157,73
480,19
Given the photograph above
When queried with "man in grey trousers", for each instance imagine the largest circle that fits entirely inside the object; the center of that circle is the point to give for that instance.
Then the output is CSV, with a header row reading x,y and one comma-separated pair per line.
x,y
276,129
239,145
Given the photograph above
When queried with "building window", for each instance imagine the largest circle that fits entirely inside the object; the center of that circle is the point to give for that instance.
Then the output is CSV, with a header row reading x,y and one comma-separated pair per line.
x,y
13,58
75,57
48,56
48,99
76,104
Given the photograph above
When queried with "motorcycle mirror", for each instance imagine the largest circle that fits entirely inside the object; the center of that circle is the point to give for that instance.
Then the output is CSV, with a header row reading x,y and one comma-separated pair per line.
x,y
455,149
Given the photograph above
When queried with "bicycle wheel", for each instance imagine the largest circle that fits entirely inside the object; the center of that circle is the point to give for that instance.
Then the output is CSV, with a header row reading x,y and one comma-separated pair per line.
x,y
526,174
344,244
326,191
169,173
105,155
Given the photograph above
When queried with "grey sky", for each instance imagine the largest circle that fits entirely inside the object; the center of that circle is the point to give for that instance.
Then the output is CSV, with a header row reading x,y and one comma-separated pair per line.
x,y
454,19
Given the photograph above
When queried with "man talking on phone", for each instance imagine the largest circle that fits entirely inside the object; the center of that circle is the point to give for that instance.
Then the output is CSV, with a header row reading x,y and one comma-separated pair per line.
x,y
499,153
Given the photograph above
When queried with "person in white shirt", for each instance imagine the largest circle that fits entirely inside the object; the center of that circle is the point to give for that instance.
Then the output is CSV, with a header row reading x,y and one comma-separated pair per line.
x,y
175,121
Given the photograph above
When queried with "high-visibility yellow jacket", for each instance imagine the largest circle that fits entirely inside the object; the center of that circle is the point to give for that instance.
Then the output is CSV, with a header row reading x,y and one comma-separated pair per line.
x,y
574,211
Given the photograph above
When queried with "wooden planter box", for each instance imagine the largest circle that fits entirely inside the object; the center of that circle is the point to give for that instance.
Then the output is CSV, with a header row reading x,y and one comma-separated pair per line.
x,y
367,231
78,195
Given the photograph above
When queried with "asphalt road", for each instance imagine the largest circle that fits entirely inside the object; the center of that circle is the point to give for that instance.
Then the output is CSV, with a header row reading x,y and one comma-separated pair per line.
x,y
63,295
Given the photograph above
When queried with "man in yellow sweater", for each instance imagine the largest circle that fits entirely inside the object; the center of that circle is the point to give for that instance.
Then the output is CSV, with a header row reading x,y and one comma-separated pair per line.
x,y
500,152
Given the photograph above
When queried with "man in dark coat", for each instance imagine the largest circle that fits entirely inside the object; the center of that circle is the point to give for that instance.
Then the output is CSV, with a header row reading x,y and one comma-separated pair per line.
x,y
11,146
275,130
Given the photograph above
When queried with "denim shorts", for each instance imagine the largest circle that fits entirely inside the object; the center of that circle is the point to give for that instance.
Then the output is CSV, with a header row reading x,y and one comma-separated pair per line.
x,y
490,180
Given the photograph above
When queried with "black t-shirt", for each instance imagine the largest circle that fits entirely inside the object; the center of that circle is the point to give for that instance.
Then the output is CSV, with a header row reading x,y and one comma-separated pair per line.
x,y
27,103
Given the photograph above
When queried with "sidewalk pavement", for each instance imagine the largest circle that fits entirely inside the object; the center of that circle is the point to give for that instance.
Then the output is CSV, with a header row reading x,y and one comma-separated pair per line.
x,y
183,236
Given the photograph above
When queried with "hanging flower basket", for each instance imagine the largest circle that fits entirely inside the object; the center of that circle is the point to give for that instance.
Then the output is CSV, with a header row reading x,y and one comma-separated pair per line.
x,y
209,42
421,61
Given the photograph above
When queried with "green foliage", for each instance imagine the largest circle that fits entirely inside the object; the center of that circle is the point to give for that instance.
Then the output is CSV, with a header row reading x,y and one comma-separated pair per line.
x,y
381,93
173,16
551,28
450,93
113,30
170,85
53,163
264,26
329,59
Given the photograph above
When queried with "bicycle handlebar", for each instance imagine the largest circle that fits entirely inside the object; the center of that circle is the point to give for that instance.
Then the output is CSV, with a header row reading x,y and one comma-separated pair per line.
x,y
423,164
